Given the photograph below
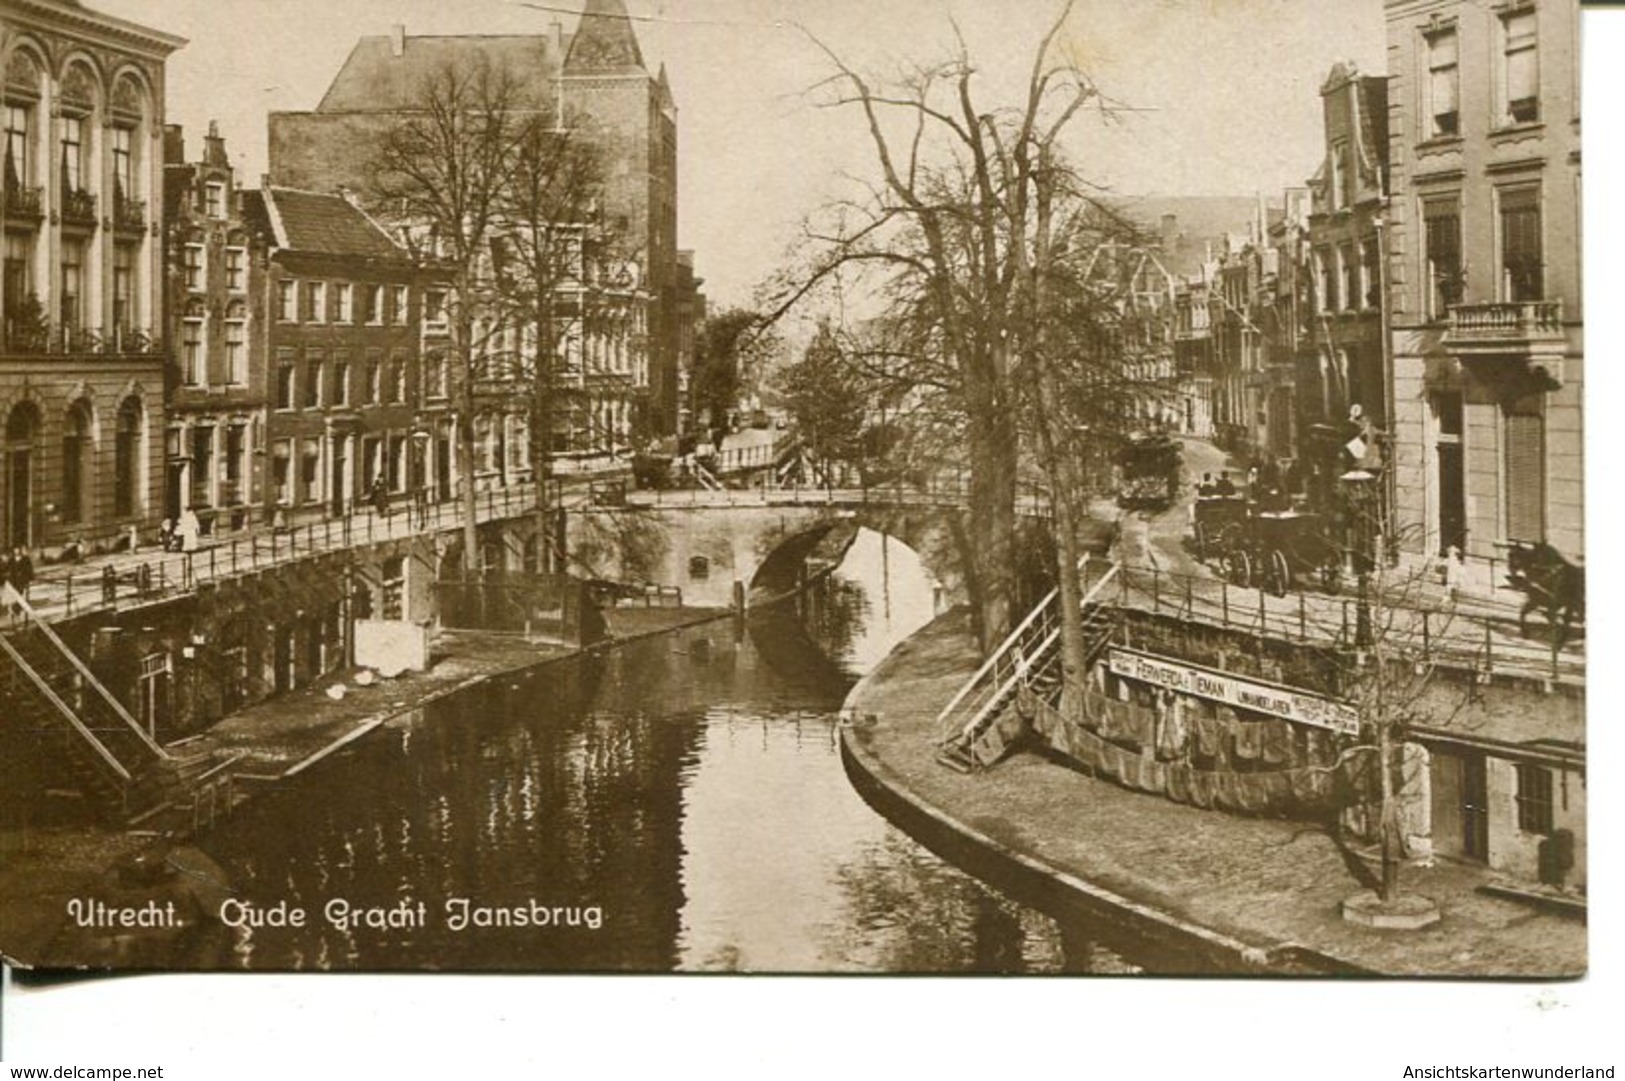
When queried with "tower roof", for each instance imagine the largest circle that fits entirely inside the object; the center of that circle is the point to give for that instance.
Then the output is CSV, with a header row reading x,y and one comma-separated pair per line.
x,y
604,41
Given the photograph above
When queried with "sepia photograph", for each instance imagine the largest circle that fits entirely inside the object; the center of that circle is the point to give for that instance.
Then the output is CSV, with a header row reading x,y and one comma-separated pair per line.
x,y
742,486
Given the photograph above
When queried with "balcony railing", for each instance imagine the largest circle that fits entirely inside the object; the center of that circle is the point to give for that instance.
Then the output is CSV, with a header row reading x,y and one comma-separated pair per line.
x,y
22,202
31,339
1506,323
130,215
78,207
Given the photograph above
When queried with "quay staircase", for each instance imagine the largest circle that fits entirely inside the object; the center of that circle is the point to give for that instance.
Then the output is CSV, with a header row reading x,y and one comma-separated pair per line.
x,y
81,739
978,725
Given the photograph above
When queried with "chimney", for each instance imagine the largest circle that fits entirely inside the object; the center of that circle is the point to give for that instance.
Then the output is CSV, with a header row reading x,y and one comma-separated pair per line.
x,y
555,31
174,144
214,147
397,40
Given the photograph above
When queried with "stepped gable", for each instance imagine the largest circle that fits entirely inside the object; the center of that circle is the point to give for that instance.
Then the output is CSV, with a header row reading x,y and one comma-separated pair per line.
x,y
605,42
326,224
384,73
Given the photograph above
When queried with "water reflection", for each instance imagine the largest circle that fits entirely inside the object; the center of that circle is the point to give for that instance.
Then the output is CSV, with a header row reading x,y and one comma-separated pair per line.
x,y
690,785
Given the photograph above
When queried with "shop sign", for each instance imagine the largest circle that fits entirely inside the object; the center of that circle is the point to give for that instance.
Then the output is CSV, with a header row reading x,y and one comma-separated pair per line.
x,y
1233,691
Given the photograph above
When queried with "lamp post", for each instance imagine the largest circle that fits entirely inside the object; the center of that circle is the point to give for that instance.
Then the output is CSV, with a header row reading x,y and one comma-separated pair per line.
x,y
1359,489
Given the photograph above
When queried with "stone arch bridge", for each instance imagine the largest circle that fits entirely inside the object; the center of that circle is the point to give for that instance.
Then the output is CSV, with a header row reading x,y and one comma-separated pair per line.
x,y
724,547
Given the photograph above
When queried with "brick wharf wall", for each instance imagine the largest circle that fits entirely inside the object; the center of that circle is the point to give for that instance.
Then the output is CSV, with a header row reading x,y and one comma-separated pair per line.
x,y
243,640
1458,717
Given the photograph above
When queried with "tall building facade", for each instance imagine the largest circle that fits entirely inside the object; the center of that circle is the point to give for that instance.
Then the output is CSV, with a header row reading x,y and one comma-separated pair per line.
x,y
216,317
596,74
1343,371
1487,320
81,354
358,385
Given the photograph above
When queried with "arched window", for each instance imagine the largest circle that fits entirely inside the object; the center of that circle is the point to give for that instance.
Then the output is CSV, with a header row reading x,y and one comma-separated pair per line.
x,y
76,444
22,428
126,457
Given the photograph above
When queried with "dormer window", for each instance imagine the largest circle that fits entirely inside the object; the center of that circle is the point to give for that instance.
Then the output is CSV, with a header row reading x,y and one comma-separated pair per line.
x,y
214,199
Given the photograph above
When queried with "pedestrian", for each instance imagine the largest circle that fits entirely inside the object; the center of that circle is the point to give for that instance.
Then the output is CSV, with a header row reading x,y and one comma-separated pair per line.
x,y
188,531
166,535
109,584
1224,485
1206,487
22,572
5,568
380,496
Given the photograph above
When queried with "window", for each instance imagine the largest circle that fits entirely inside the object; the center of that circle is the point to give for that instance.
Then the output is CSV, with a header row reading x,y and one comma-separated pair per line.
x,y
1371,273
343,294
237,269
152,691
193,268
1534,800
282,470
285,379
1342,177
316,302
73,279
1521,271
193,372
1442,251
313,380
341,379
75,467
434,307
1520,68
1352,291
399,309
123,286
126,447
310,469
375,378
202,465
1443,83
397,372
236,451
1329,280
372,304
434,374
287,301
1524,466
73,153
123,163
394,587
18,160
236,344
214,199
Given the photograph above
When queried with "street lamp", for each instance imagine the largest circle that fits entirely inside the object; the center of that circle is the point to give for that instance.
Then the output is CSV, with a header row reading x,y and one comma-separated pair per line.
x,y
1359,492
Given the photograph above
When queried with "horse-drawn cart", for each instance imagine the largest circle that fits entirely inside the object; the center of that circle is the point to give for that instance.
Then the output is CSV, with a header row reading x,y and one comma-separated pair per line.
x,y
1271,549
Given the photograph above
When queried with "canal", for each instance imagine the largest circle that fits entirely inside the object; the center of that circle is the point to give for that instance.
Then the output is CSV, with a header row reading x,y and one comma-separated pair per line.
x,y
676,804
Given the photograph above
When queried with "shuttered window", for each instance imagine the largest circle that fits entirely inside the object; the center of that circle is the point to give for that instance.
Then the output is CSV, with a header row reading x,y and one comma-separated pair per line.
x,y
1525,448
1521,270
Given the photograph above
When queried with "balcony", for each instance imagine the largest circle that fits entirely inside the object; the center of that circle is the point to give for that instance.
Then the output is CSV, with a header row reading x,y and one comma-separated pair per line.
x,y
130,215
28,336
78,207
1530,331
22,203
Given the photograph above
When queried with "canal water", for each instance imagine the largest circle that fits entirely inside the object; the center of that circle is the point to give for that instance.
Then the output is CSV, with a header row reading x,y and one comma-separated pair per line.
x,y
675,804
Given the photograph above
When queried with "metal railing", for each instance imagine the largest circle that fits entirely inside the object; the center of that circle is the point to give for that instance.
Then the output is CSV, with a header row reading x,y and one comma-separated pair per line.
x,y
147,578
1025,652
1405,625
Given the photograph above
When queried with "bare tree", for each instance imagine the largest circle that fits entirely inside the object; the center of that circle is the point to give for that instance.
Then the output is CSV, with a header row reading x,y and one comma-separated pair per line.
x,y
951,232
441,171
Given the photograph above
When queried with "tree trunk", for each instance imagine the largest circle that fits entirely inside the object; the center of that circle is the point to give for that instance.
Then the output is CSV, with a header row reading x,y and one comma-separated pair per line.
x,y
1390,827
990,568
465,441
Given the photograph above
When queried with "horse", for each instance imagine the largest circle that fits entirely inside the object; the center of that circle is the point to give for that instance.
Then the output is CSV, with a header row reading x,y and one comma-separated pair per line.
x,y
1551,585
